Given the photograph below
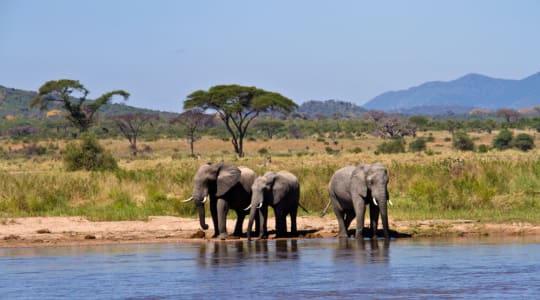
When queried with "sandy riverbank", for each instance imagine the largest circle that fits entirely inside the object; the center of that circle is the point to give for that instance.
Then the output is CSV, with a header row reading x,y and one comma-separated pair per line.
x,y
73,231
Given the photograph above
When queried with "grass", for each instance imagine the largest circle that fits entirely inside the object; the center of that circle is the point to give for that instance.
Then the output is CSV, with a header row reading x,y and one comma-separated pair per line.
x,y
496,186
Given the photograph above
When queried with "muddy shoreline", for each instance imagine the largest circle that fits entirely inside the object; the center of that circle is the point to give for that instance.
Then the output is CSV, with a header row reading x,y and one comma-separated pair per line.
x,y
79,231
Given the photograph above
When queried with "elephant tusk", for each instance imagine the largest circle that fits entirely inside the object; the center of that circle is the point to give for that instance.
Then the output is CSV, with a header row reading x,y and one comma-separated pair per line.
x,y
390,202
375,201
248,208
205,199
187,200
260,205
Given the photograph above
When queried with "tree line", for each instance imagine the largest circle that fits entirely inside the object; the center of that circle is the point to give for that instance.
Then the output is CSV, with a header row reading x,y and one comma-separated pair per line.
x,y
234,113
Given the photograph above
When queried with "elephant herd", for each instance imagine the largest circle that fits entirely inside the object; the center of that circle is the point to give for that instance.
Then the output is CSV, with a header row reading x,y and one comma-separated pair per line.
x,y
230,187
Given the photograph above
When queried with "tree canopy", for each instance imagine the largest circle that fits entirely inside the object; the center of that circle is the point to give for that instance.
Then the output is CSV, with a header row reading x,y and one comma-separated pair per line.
x,y
237,106
71,95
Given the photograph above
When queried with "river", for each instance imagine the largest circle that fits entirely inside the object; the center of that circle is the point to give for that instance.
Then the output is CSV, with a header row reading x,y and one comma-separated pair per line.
x,y
285,269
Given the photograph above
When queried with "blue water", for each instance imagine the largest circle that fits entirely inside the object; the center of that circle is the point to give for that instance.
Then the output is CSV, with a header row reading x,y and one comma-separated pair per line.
x,y
285,269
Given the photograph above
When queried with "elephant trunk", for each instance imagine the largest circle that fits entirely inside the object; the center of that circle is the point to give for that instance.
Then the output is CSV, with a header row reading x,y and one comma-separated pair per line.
x,y
252,213
382,202
200,209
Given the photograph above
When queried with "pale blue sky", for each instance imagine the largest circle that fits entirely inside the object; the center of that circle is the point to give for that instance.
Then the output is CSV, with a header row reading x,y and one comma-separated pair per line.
x,y
160,51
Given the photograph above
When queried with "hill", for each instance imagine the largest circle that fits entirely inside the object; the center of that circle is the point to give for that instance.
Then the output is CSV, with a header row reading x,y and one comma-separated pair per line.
x,y
472,90
16,103
330,108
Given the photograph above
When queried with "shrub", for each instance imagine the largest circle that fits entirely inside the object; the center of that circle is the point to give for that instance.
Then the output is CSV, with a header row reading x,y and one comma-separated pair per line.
x,y
263,151
430,138
523,142
417,145
355,150
393,146
483,148
503,140
88,155
463,142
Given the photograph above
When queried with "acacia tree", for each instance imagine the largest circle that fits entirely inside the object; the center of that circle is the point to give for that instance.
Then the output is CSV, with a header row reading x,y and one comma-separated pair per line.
x,y
237,106
131,125
508,114
192,121
70,95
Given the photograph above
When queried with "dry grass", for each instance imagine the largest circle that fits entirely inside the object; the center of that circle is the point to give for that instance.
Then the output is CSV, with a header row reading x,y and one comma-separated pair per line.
x,y
496,185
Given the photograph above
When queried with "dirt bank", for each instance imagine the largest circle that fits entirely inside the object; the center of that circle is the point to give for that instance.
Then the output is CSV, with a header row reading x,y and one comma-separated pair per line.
x,y
72,231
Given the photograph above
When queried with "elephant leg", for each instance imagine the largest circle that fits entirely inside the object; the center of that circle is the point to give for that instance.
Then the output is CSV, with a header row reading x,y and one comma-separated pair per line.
x,y
263,222
281,223
348,218
374,219
294,230
222,209
214,214
359,210
340,216
239,223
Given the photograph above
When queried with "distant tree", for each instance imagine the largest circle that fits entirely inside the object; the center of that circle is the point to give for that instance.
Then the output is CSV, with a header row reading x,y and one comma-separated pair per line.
x,y
192,121
374,115
503,140
22,131
269,127
70,95
421,122
295,132
523,142
237,106
131,126
508,114
462,141
394,127
452,126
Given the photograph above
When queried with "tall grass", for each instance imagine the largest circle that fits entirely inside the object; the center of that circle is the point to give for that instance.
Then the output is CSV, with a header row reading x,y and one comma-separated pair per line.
x,y
497,186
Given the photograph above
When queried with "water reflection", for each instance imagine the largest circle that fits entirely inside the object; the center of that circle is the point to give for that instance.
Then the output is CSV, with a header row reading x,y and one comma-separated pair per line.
x,y
218,253
363,251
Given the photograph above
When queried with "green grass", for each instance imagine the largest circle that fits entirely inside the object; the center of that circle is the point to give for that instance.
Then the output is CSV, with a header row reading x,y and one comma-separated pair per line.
x,y
499,186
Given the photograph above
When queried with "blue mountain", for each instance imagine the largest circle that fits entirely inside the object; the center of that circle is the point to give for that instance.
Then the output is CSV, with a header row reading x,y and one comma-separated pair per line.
x,y
472,90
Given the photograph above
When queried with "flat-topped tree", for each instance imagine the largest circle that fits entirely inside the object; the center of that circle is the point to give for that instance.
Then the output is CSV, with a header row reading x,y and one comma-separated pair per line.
x,y
70,95
238,106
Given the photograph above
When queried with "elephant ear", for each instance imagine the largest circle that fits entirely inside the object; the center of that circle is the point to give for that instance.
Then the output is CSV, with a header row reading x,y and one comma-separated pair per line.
x,y
359,181
277,184
228,176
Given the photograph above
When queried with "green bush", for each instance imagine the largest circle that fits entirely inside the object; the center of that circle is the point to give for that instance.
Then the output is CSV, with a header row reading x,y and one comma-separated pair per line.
x,y
393,146
462,141
503,140
88,155
523,142
483,148
417,145
356,150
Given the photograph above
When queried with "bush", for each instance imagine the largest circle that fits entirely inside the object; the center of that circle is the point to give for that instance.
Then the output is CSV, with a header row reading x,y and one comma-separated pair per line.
x,y
483,148
503,140
393,146
263,151
89,155
463,142
417,145
523,142
355,150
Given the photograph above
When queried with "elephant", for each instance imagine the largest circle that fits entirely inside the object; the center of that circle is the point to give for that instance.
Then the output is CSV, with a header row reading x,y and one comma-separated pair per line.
x,y
351,189
280,190
227,186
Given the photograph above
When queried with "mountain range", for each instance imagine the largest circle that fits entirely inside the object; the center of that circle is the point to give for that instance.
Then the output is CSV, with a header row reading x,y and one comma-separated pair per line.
x,y
472,90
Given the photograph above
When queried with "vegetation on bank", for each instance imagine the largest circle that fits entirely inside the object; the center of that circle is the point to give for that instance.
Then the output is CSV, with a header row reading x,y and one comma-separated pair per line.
x,y
437,183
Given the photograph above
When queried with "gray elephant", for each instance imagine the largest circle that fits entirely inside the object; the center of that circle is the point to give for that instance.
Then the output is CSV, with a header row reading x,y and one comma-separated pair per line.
x,y
351,189
281,191
227,186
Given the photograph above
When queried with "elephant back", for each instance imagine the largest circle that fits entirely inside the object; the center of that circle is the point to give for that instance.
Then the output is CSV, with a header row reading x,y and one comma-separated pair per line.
x,y
247,178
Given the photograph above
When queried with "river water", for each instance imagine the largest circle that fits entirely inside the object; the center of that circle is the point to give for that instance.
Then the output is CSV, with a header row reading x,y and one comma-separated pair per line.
x,y
284,269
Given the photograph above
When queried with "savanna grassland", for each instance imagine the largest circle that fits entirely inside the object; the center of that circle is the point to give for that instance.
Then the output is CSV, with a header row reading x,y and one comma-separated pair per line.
x,y
440,183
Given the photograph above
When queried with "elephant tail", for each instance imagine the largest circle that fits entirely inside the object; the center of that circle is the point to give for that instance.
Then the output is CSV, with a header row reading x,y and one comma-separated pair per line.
x,y
302,207
323,213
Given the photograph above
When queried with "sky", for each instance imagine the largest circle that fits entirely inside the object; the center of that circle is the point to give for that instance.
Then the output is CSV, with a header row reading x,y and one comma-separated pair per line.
x,y
161,51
